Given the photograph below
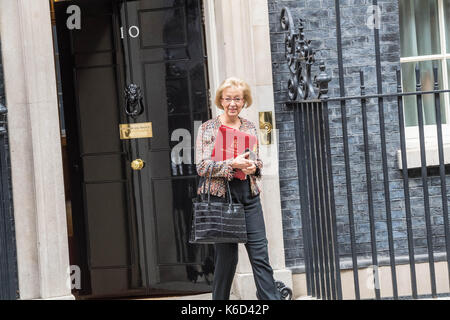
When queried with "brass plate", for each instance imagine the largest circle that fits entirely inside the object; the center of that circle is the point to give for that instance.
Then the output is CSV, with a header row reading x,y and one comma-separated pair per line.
x,y
136,130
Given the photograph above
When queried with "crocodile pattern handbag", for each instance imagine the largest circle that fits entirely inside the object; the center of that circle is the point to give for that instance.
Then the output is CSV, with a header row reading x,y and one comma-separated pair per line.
x,y
217,222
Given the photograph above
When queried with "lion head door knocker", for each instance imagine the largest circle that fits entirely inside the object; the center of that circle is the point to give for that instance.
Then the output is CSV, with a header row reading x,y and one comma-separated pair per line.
x,y
133,100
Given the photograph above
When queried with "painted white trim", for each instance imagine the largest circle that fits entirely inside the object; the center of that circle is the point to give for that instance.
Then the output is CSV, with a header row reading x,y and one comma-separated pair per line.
x,y
413,157
424,58
431,146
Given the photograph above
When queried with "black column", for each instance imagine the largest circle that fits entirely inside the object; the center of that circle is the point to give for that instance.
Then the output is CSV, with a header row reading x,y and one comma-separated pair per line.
x,y
8,259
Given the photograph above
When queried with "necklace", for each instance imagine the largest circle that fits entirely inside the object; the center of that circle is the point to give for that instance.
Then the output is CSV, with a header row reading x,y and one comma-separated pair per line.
x,y
236,125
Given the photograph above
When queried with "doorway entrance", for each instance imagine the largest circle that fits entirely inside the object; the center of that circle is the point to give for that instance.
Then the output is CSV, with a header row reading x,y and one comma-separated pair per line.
x,y
133,86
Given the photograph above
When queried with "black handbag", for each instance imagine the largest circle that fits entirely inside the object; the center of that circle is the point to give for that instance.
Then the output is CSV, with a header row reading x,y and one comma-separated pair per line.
x,y
217,222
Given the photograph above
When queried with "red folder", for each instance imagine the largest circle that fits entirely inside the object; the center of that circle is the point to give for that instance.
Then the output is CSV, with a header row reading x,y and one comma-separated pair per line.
x,y
230,143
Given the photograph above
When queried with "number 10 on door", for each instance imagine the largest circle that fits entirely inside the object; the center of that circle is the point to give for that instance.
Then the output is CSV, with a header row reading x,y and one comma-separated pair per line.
x,y
133,32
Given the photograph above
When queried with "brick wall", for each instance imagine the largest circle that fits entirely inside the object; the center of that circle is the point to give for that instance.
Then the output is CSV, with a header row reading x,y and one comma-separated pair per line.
x,y
358,46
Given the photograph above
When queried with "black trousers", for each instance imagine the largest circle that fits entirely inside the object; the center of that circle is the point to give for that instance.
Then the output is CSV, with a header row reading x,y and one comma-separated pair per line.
x,y
226,254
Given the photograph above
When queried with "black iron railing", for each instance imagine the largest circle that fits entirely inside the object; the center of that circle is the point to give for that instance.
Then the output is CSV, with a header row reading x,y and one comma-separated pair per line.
x,y
317,198
310,103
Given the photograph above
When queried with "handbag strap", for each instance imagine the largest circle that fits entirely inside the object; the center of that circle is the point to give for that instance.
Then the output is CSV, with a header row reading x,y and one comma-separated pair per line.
x,y
203,179
229,193
230,199
209,184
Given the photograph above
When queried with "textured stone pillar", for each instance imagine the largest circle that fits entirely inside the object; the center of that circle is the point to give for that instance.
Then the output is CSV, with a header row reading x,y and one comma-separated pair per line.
x,y
241,48
36,163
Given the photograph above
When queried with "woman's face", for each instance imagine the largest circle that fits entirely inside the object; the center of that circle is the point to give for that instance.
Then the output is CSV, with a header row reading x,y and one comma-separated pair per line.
x,y
232,101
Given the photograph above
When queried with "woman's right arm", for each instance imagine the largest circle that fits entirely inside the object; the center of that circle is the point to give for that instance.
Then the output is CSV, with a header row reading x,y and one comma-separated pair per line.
x,y
204,146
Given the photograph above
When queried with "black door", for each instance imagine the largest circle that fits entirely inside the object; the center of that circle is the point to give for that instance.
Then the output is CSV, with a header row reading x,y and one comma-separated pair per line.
x,y
165,58
131,226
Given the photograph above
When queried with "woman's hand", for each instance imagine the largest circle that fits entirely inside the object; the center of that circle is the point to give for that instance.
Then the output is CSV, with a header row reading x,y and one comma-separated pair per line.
x,y
240,162
250,170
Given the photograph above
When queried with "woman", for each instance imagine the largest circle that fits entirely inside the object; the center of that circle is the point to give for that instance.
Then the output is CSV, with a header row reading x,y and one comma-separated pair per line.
x,y
232,96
